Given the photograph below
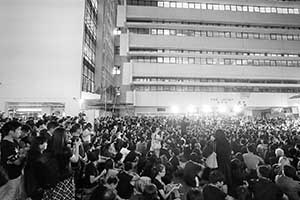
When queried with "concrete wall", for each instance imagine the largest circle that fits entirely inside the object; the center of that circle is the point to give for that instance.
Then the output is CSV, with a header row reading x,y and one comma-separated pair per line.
x,y
141,12
183,99
210,71
41,51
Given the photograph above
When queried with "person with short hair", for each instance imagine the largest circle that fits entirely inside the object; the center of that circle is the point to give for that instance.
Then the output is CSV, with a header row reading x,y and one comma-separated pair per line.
x,y
263,188
11,160
215,190
288,182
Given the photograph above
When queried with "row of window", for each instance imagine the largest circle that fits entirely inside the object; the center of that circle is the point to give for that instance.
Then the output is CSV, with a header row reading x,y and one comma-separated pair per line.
x,y
218,24
212,52
217,7
215,61
89,46
212,80
179,88
223,34
88,79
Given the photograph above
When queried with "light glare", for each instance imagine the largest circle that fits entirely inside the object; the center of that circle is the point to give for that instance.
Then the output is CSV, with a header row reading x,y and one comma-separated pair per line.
x,y
222,108
237,109
206,109
174,109
191,109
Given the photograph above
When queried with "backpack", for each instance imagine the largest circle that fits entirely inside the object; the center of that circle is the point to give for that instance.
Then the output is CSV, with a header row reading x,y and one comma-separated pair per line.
x,y
49,171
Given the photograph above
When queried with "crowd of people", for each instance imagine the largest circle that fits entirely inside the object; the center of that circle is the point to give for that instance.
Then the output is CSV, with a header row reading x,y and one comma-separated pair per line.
x,y
150,158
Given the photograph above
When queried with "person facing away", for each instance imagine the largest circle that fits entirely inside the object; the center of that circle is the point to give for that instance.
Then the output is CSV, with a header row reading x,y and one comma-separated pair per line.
x,y
216,189
263,188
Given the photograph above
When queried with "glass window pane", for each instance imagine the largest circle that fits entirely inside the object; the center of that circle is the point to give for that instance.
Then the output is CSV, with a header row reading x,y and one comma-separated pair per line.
x,y
166,4
256,9
273,10
221,7
233,8
173,4
160,4
239,8
179,5
197,5
245,8
215,7
191,5
262,9
227,7
209,6
251,9
203,6
185,5
268,10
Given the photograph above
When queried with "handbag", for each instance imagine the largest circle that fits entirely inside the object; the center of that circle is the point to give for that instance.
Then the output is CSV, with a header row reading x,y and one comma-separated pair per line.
x,y
211,160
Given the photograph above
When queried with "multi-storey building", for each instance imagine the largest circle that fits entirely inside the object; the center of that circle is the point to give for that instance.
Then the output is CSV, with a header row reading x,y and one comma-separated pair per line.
x,y
56,56
201,55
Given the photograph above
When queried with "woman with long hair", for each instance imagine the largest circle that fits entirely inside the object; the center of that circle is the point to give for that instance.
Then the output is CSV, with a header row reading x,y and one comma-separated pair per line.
x,y
223,151
64,155
33,171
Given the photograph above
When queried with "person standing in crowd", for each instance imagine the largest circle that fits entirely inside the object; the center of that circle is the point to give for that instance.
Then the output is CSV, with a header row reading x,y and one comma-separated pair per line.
x,y
65,188
12,160
33,170
216,189
252,161
87,136
125,188
263,187
223,151
289,183
156,139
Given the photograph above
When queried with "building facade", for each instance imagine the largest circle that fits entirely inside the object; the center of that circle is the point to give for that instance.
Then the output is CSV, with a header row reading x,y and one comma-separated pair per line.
x,y
53,56
203,55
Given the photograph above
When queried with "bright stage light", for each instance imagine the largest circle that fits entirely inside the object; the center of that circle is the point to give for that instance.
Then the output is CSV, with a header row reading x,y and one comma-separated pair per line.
x,y
237,109
174,109
191,109
206,109
222,108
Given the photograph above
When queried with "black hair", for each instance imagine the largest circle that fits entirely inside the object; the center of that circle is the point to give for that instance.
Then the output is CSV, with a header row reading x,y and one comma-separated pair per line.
x,y
194,194
127,166
92,156
290,171
52,125
112,180
26,128
264,171
251,148
9,126
216,176
74,128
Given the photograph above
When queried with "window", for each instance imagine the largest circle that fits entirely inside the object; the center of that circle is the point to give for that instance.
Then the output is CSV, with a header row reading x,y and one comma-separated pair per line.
x,y
191,5
173,60
185,61
268,10
209,61
160,59
173,4
191,60
166,60
172,32
197,5
284,10
116,70
245,8
166,32
296,11
239,8
222,7
160,4
166,4
185,5
273,37
256,9
179,5
233,8
215,7
245,35
160,31
209,33
203,6
262,9
227,7
273,10
209,6
251,9
227,34
279,10
153,31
